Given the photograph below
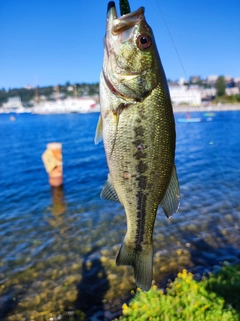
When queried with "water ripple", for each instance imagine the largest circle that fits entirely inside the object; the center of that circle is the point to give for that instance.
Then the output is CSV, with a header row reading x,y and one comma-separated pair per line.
x,y
50,239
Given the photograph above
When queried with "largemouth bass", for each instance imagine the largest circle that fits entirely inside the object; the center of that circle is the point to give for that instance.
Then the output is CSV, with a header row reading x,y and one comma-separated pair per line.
x,y
138,130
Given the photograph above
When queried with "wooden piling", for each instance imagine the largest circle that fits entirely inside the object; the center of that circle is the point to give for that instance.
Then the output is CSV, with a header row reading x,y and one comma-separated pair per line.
x,y
52,159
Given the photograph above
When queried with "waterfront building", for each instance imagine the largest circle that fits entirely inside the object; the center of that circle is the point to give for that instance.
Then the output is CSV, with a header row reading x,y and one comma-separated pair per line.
x,y
232,91
211,80
194,79
185,95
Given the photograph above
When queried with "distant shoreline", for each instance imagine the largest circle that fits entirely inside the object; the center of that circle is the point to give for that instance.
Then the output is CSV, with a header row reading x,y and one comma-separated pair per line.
x,y
223,107
176,109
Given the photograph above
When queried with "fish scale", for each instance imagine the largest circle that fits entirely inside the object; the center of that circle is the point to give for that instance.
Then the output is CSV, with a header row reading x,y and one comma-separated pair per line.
x,y
138,130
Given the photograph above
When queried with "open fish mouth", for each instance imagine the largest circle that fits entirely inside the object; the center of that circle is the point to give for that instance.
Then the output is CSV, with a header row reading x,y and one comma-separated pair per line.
x,y
116,24
121,30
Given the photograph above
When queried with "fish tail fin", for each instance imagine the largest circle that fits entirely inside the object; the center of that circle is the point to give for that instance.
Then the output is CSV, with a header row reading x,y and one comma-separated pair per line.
x,y
141,261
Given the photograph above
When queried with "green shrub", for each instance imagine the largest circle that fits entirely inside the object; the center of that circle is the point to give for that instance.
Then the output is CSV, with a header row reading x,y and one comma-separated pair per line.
x,y
226,284
185,300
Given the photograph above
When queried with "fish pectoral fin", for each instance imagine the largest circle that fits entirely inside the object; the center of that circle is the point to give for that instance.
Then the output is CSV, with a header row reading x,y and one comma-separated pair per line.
x,y
171,200
116,113
108,191
141,261
99,129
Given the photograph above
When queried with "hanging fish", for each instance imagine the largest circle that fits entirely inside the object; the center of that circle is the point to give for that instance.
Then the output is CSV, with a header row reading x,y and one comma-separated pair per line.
x,y
138,130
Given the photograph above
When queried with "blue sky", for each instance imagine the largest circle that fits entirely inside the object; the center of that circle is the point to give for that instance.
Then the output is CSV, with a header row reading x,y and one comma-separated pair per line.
x,y
49,42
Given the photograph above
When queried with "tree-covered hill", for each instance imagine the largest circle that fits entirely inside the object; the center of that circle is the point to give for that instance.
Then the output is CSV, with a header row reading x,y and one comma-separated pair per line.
x,y
28,94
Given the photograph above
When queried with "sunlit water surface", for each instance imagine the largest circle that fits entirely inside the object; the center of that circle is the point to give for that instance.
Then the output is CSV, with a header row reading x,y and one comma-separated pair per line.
x,y
58,248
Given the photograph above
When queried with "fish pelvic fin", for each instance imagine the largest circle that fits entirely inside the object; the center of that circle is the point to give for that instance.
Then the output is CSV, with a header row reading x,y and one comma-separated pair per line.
x,y
141,261
99,129
171,200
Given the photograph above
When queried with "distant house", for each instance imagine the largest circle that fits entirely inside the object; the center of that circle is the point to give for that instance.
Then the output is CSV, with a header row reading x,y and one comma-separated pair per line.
x,y
208,93
69,88
237,82
211,80
229,81
184,95
28,87
232,91
194,79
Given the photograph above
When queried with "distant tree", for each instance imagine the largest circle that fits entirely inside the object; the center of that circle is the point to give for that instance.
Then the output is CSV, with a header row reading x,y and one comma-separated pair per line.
x,y
93,89
67,84
220,86
3,96
46,91
26,95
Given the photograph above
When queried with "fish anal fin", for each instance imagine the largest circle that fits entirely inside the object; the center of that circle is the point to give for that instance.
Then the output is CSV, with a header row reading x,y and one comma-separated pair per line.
x,y
171,200
108,191
99,129
141,261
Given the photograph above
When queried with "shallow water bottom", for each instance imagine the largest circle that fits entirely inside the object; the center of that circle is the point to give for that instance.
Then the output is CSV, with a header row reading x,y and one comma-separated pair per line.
x,y
58,247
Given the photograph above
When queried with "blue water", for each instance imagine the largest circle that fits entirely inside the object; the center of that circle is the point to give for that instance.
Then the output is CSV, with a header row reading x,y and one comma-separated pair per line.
x,y
60,246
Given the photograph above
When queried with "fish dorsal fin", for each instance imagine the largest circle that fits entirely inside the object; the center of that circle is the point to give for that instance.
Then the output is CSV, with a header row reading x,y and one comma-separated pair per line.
x,y
99,129
108,191
171,200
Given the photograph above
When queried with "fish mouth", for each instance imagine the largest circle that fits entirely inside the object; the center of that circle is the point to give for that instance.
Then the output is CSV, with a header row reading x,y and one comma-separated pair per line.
x,y
116,24
122,26
111,11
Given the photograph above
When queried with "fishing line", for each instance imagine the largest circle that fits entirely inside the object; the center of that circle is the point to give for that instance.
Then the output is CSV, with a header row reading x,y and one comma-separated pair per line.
x,y
177,53
211,142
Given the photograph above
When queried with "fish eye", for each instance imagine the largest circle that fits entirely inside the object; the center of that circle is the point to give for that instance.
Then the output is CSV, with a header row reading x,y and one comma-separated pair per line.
x,y
144,41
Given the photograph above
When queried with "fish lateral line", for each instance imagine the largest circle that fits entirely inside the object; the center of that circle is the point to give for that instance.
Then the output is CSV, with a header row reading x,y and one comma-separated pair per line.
x,y
141,220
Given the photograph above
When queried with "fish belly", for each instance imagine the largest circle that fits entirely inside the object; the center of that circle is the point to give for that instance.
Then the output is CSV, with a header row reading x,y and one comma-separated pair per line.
x,y
140,154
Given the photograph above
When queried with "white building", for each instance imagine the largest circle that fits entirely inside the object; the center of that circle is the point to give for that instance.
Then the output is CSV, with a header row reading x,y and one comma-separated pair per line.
x,y
237,82
208,92
185,95
232,91
228,79
211,80
68,105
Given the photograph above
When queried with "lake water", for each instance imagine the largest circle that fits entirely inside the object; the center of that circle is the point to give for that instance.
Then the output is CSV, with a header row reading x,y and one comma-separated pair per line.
x,y
58,247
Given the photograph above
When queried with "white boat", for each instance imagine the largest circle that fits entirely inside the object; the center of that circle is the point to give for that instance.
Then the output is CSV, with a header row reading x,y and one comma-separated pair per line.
x,y
209,114
14,105
189,120
66,106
